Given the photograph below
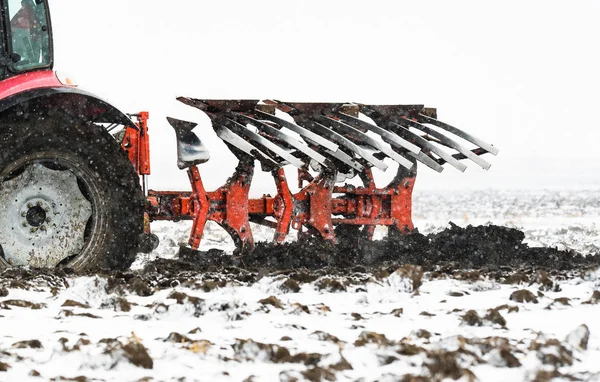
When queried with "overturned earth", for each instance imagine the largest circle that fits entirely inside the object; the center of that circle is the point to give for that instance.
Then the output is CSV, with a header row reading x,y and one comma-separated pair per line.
x,y
488,248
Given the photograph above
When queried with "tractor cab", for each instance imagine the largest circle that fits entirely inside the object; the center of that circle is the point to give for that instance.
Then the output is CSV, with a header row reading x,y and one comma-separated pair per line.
x,y
27,42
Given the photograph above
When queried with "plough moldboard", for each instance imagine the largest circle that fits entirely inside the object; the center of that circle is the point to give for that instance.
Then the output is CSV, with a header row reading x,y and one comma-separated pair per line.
x,y
328,143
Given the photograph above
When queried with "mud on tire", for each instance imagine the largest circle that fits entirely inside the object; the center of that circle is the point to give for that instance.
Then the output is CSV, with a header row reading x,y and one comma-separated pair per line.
x,y
104,176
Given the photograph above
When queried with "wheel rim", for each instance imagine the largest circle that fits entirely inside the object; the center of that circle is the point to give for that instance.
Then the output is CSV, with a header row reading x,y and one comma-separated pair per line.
x,y
44,213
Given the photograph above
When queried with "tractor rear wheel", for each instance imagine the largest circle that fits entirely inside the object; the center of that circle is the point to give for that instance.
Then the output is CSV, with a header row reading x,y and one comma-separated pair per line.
x,y
68,197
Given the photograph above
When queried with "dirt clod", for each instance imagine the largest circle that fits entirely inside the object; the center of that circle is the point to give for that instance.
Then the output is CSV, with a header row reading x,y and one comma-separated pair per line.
x,y
318,374
517,278
21,304
75,304
290,285
31,344
248,350
493,316
523,296
595,298
502,357
177,338
331,285
69,313
137,354
443,364
471,318
272,300
372,338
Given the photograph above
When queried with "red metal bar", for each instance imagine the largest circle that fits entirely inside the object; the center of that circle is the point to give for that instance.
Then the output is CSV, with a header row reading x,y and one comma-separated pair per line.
x,y
144,151
136,144
312,207
283,206
200,206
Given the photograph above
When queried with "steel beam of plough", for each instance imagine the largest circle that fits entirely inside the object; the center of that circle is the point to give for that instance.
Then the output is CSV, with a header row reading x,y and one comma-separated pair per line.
x,y
446,141
423,143
459,133
314,138
264,142
235,140
216,106
343,141
356,134
292,142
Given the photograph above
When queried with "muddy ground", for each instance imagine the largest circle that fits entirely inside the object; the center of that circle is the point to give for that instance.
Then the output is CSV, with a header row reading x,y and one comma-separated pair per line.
x,y
406,303
488,248
498,252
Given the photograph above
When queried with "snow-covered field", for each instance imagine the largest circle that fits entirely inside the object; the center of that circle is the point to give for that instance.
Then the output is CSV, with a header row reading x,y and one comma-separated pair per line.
x,y
295,326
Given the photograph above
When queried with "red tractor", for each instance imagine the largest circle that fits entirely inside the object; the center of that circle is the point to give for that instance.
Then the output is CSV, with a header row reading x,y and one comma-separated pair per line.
x,y
70,163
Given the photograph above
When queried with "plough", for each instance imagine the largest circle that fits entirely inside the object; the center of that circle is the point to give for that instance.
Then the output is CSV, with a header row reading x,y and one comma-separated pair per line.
x,y
328,143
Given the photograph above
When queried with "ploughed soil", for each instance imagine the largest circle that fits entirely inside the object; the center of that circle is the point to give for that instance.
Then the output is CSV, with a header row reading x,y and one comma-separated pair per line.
x,y
485,248
496,251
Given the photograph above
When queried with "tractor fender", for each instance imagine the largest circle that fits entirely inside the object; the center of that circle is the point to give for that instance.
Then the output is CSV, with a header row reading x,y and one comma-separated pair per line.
x,y
68,100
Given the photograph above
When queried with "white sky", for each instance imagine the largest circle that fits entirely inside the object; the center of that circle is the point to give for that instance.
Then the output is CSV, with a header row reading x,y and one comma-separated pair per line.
x,y
522,75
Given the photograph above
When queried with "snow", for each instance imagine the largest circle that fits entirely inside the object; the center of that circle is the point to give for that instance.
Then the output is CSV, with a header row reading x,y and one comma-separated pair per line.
x,y
383,329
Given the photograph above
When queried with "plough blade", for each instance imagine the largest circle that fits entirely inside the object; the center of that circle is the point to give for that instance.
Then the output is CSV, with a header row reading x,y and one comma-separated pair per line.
x,y
282,156
360,136
444,140
309,135
240,143
289,140
459,133
427,147
328,143
393,139
343,141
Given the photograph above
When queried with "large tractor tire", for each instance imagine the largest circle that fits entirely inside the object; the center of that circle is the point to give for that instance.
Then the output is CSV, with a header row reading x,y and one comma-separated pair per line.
x,y
68,197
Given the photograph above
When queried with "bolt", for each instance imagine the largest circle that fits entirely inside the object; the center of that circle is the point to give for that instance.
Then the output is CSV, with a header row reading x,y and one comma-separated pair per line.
x,y
39,204
47,209
48,220
43,228
23,214
24,224
32,230
29,205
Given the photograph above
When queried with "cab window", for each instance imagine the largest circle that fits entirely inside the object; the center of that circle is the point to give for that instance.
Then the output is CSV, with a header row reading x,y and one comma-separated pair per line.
x,y
30,34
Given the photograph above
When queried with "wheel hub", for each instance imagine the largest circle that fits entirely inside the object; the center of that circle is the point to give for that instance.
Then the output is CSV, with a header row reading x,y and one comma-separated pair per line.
x,y
36,216
43,216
